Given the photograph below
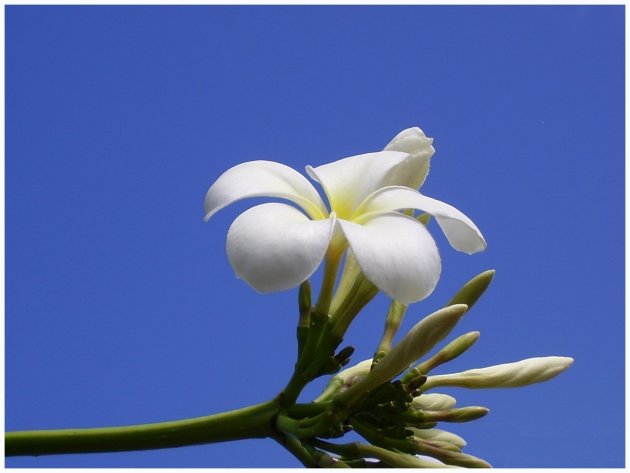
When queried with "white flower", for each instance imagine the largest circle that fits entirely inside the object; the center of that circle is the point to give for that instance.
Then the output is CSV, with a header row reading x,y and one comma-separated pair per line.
x,y
276,246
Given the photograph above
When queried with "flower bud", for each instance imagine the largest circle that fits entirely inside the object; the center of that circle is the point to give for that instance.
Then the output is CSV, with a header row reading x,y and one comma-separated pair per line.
x,y
508,375
449,352
355,372
463,414
434,402
420,339
403,460
473,289
343,357
439,435
415,383
344,379
449,457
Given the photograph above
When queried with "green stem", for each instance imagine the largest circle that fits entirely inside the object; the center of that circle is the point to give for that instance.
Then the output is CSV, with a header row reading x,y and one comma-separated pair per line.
x,y
295,447
358,452
249,422
323,459
300,378
317,351
393,320
307,410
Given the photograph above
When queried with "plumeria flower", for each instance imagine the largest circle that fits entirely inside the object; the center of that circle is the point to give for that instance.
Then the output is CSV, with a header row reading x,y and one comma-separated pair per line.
x,y
276,246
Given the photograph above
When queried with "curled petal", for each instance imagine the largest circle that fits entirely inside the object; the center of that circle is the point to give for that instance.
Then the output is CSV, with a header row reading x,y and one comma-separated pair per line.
x,y
263,178
348,181
397,254
275,246
416,143
460,231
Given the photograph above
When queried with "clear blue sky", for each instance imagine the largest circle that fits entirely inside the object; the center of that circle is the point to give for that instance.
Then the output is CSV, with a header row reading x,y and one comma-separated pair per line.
x,y
121,306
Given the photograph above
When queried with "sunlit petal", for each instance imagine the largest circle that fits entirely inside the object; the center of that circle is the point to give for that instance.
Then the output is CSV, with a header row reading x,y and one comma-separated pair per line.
x,y
274,246
348,181
460,231
263,178
419,146
397,254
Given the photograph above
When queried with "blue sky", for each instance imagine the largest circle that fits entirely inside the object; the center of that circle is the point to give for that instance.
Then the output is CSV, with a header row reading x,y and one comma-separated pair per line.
x,y
121,306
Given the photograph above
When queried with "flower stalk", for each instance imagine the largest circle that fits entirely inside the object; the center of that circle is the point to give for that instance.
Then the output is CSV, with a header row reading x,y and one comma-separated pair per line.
x,y
394,318
249,422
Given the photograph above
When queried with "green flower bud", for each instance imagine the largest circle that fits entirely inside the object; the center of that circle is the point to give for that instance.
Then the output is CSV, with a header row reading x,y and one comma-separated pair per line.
x,y
473,289
449,352
463,414
420,339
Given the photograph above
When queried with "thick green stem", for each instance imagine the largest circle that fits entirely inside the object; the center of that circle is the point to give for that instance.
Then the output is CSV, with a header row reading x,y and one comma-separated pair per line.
x,y
249,422
308,357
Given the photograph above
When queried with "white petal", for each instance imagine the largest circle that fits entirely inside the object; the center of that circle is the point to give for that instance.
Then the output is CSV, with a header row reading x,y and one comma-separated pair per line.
x,y
460,231
348,181
416,143
275,246
397,254
263,178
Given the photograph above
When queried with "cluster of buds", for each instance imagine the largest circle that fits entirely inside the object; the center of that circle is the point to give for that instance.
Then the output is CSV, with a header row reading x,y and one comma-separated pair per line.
x,y
389,399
